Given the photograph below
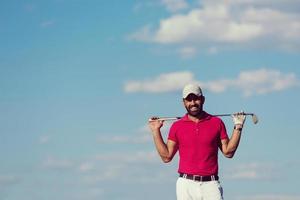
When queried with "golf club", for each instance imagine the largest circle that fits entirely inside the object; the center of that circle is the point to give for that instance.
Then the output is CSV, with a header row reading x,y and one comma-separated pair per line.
x,y
254,117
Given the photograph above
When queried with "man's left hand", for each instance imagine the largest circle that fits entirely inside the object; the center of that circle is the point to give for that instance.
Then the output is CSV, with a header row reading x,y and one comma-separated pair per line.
x,y
239,118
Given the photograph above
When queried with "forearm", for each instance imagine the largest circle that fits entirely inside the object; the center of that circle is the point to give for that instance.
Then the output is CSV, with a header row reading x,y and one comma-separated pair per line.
x,y
160,145
229,146
234,141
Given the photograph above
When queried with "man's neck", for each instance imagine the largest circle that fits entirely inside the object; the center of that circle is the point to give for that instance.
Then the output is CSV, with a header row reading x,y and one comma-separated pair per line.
x,y
198,117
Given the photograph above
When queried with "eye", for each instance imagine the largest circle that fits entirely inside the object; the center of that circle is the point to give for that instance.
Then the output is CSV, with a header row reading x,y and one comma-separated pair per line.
x,y
192,97
189,99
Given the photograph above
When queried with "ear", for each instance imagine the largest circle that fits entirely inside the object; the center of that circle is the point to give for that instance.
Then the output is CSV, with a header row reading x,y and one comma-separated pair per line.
x,y
183,101
203,99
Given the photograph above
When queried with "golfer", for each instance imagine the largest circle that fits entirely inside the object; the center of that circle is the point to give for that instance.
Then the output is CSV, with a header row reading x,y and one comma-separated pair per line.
x,y
197,136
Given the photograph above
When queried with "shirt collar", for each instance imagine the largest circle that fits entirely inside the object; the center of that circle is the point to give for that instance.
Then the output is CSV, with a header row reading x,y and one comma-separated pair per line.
x,y
205,117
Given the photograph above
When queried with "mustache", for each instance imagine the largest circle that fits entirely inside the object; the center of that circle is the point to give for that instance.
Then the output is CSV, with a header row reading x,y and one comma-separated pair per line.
x,y
196,106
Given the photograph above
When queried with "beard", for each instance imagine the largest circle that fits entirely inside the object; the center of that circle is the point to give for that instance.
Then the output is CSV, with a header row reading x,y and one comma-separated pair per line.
x,y
194,110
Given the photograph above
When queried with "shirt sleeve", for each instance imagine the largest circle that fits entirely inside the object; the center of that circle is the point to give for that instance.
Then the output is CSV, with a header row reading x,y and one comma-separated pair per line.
x,y
223,132
172,133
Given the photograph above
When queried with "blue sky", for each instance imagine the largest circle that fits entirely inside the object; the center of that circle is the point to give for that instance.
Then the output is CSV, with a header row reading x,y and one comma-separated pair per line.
x,y
79,80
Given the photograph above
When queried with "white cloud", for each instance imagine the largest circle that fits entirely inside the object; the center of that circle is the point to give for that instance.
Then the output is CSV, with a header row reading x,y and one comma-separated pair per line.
x,y
175,5
269,197
58,164
252,82
212,50
261,81
110,172
104,166
275,4
252,171
7,180
223,24
264,81
163,83
187,52
30,7
86,167
213,24
143,34
46,24
112,165
90,193
44,139
133,174
134,157
142,136
169,5
136,139
145,129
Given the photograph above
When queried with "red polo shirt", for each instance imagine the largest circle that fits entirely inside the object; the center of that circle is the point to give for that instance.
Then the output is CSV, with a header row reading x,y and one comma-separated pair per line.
x,y
198,144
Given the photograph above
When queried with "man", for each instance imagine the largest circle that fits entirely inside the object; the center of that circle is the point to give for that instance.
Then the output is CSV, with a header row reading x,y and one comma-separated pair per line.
x,y
197,136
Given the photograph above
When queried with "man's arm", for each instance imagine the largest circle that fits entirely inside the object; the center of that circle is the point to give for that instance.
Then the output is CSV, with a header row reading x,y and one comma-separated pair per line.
x,y
165,150
229,146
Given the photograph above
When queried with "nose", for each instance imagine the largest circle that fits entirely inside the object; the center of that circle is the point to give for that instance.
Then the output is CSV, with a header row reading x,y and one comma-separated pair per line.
x,y
193,102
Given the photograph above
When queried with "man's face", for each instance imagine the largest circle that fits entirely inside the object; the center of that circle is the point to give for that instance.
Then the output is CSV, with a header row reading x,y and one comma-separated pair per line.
x,y
194,104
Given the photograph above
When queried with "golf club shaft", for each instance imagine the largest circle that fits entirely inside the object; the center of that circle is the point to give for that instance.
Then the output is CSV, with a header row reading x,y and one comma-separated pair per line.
x,y
221,115
176,118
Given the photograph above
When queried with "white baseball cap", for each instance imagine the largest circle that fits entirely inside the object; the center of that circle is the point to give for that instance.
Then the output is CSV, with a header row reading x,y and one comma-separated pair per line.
x,y
191,89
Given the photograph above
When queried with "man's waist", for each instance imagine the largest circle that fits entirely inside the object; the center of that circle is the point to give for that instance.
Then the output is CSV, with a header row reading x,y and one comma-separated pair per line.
x,y
199,178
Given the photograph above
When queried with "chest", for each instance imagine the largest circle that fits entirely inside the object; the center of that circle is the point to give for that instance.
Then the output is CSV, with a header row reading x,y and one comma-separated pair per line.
x,y
202,134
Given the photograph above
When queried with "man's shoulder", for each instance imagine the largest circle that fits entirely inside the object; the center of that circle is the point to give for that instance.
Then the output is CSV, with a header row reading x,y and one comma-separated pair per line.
x,y
180,121
213,118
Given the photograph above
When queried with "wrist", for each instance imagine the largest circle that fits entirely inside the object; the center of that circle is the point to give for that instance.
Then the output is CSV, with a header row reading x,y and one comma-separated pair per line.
x,y
156,132
238,127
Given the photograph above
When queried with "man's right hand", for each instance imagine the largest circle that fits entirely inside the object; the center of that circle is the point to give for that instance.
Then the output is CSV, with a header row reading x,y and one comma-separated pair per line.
x,y
155,125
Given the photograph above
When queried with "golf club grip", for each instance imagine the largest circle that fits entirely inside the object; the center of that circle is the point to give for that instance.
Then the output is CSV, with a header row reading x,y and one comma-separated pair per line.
x,y
164,119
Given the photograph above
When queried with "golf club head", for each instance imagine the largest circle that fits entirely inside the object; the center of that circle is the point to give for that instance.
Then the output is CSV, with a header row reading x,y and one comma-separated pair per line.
x,y
254,119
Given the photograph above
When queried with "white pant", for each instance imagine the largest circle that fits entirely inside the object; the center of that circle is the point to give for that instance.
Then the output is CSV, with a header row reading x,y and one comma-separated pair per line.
x,y
192,190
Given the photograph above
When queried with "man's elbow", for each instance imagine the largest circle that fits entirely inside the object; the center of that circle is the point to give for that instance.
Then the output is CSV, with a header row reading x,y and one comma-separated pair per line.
x,y
166,159
229,154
